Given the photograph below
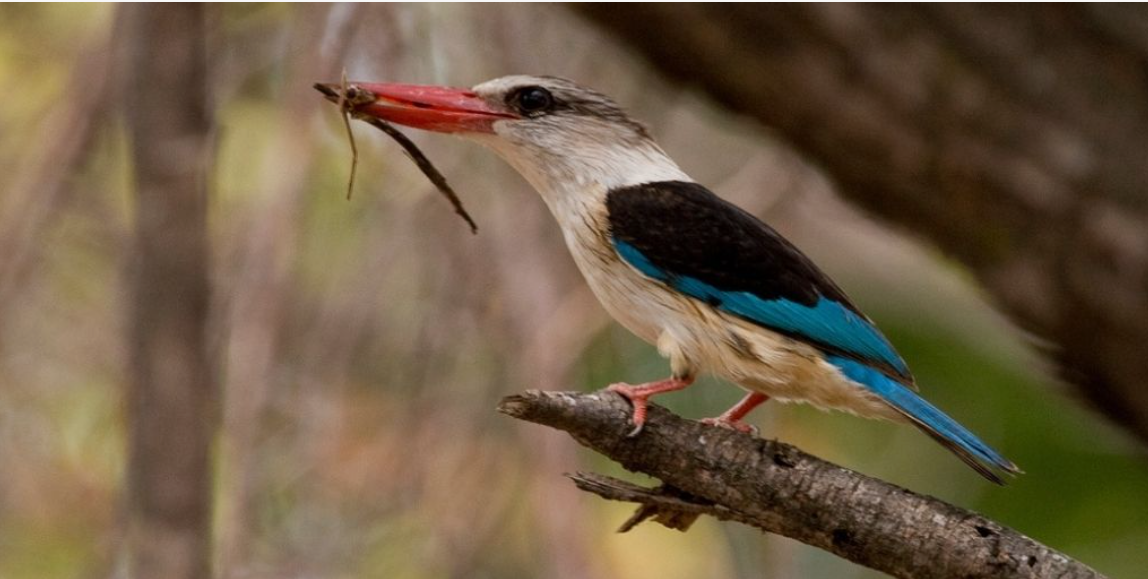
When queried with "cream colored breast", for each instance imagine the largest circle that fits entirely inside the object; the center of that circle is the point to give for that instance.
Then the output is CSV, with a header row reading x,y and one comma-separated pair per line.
x,y
637,302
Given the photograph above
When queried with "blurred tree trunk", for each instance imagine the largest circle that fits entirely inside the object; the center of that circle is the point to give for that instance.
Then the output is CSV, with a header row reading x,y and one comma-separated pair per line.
x,y
40,193
173,390
1012,137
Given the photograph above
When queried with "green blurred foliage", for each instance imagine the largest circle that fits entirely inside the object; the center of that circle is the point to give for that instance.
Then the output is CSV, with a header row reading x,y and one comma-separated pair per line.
x,y
364,344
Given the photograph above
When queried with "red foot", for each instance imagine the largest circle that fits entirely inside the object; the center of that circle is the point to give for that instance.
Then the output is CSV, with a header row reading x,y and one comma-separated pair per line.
x,y
639,396
732,418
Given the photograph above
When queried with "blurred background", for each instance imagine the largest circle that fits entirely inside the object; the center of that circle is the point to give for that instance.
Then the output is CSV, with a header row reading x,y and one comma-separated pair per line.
x,y
357,348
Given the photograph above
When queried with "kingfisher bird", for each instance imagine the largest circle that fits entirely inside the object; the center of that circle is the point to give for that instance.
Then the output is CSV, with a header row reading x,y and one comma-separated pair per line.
x,y
714,288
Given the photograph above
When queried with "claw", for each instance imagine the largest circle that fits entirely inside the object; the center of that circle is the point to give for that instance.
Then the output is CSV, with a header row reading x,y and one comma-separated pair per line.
x,y
737,425
640,394
637,400
732,418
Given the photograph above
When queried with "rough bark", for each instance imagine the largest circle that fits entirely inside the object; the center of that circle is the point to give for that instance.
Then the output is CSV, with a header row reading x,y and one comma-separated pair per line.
x,y
777,488
1011,136
173,382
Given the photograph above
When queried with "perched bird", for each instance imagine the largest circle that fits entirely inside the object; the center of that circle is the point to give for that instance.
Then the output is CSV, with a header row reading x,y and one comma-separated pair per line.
x,y
713,287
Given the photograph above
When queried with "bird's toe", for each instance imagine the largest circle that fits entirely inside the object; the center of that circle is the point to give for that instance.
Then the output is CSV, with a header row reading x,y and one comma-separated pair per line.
x,y
732,425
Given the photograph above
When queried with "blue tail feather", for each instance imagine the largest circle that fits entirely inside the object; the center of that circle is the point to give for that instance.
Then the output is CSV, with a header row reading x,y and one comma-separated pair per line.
x,y
928,418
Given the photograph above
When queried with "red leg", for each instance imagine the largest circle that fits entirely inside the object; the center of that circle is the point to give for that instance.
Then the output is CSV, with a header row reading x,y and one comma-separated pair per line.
x,y
639,395
732,418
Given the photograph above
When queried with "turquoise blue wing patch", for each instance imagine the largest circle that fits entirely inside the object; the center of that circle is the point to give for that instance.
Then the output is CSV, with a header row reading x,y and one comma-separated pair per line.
x,y
826,323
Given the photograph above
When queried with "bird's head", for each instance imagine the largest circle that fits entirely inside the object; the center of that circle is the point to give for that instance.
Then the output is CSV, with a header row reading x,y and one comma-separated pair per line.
x,y
562,137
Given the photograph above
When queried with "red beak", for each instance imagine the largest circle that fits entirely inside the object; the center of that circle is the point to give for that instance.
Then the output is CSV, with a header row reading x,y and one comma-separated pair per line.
x,y
433,108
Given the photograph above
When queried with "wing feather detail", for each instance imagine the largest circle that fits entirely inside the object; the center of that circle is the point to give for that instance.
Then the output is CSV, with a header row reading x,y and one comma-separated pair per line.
x,y
700,245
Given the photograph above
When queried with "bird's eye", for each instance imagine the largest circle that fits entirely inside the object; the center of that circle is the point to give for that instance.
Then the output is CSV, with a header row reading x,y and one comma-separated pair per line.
x,y
532,100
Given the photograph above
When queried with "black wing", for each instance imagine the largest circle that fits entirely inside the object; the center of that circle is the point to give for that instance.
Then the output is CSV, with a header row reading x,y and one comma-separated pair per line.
x,y
701,245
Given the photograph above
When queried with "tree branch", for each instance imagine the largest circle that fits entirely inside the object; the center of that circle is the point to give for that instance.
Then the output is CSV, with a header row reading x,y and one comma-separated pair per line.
x,y
777,488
